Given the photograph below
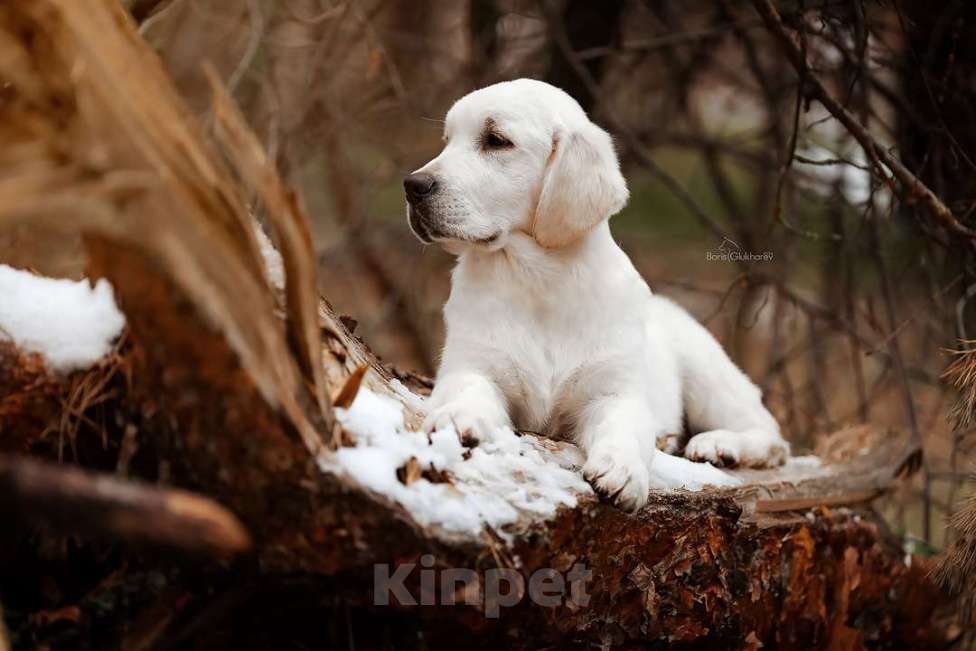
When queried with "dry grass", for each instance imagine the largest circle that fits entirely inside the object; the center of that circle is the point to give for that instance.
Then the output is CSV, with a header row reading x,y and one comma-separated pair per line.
x,y
961,375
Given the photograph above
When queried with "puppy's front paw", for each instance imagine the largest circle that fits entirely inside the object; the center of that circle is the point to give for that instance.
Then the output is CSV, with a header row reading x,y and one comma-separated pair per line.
x,y
619,475
752,448
472,420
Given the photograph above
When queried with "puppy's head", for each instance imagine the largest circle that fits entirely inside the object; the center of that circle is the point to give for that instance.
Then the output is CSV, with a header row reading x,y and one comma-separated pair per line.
x,y
518,156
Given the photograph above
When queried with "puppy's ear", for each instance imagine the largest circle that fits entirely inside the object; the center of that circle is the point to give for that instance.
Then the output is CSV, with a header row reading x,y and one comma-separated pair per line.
x,y
583,186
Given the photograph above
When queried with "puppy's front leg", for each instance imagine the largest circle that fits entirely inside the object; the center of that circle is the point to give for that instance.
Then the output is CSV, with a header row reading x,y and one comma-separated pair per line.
x,y
469,401
617,434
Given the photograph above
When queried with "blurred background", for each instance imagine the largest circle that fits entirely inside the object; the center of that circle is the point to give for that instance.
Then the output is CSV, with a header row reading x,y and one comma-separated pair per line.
x,y
751,205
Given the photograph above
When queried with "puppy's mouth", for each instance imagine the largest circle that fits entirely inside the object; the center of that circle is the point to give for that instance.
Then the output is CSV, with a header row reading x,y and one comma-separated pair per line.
x,y
418,226
491,239
429,233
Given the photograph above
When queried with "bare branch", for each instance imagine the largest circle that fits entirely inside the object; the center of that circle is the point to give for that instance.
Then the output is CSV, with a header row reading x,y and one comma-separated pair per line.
x,y
913,189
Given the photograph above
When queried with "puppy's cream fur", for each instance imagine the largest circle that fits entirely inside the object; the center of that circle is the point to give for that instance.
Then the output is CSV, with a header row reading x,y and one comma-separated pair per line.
x,y
549,326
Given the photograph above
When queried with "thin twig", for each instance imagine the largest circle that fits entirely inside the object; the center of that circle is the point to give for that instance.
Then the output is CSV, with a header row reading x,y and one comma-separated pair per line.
x,y
253,42
829,161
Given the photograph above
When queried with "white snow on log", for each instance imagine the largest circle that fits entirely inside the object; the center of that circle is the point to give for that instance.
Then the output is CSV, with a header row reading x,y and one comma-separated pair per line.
x,y
807,462
494,484
502,478
71,324
670,472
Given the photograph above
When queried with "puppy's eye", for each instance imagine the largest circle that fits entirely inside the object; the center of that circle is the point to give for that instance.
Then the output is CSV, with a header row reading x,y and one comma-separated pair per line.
x,y
493,140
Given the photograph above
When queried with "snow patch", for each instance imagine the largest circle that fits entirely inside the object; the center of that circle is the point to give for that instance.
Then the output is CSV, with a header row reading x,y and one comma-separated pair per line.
x,y
504,476
808,461
678,472
70,323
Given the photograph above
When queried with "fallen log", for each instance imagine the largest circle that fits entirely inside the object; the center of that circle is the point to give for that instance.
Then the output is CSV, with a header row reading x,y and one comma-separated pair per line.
x,y
231,373
768,562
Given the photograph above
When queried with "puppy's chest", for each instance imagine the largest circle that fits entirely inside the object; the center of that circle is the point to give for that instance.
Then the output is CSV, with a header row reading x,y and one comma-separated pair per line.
x,y
545,365
539,342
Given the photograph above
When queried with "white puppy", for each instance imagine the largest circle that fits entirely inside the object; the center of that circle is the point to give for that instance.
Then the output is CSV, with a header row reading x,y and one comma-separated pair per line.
x,y
549,327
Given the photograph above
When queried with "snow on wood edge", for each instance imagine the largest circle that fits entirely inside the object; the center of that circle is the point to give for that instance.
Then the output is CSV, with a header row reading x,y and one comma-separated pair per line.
x,y
72,324
507,480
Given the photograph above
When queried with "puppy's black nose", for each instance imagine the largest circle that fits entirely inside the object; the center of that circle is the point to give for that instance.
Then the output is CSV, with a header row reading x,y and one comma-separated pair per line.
x,y
419,185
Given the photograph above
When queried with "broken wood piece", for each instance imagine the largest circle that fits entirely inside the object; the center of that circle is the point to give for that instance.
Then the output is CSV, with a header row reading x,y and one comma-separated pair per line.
x,y
78,501
344,398
807,503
